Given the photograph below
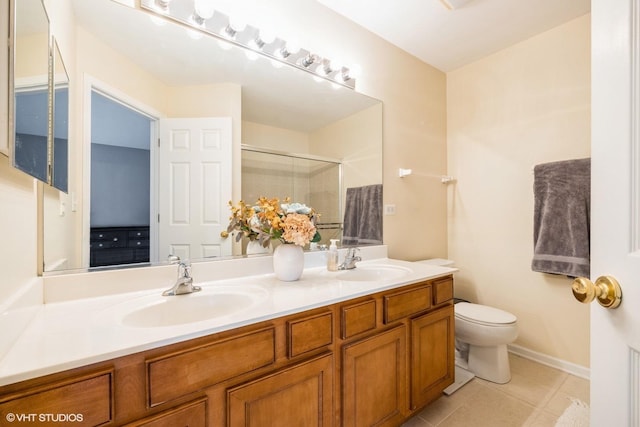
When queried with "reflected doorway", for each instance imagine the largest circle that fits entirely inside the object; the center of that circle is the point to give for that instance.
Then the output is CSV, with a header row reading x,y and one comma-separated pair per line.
x,y
122,168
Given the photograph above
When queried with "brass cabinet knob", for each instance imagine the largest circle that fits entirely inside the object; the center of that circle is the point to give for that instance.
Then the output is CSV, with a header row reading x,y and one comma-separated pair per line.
x,y
606,290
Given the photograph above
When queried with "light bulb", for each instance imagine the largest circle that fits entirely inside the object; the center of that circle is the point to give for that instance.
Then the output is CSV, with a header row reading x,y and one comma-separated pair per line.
x,y
324,68
162,5
204,8
237,24
267,36
263,37
342,75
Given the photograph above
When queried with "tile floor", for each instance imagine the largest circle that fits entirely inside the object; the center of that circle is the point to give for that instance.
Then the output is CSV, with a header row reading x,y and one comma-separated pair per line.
x,y
535,397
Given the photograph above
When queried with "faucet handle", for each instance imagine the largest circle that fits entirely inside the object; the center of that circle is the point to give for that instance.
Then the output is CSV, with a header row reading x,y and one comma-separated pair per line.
x,y
184,269
352,251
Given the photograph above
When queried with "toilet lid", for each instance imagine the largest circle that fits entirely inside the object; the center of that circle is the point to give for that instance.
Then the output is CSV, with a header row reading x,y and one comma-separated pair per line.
x,y
483,314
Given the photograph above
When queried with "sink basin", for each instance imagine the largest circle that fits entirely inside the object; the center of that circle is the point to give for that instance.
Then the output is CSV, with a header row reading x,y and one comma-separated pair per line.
x,y
373,273
153,311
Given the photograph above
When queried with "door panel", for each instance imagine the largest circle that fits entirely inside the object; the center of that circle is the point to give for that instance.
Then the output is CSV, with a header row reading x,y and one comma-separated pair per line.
x,y
615,230
195,174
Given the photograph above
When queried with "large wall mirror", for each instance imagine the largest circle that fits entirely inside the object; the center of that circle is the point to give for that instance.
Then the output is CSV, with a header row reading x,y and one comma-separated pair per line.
x,y
142,81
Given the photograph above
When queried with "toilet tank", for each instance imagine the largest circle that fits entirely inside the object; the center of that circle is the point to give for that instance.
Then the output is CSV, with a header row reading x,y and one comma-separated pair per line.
x,y
438,261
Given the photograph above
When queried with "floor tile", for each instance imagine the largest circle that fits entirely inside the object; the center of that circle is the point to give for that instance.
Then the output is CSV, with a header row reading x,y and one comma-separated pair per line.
x,y
536,396
492,408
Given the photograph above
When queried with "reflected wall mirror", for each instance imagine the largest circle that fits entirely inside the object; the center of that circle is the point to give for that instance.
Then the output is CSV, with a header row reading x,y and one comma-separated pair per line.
x,y
166,72
60,118
29,109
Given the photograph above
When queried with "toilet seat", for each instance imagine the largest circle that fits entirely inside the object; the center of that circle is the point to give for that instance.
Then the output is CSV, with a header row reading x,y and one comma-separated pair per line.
x,y
483,315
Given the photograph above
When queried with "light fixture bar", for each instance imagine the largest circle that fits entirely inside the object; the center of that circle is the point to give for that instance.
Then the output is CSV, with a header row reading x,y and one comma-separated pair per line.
x,y
221,26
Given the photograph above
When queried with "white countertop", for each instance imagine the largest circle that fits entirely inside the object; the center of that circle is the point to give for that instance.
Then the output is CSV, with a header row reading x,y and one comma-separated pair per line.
x,y
69,334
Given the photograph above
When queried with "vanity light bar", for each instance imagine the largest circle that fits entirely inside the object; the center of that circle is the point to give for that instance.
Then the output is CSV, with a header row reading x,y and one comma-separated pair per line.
x,y
223,27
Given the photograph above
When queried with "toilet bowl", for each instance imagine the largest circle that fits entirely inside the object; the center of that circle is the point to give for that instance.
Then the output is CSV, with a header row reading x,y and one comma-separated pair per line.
x,y
482,334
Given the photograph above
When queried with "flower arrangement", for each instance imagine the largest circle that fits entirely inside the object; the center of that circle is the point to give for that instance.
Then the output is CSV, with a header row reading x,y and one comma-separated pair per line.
x,y
269,219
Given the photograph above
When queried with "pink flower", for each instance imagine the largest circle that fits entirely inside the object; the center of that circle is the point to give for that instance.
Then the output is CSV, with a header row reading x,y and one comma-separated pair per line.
x,y
298,229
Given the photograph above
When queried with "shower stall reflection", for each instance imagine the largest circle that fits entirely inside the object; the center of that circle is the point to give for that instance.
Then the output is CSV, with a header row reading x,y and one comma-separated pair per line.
x,y
312,180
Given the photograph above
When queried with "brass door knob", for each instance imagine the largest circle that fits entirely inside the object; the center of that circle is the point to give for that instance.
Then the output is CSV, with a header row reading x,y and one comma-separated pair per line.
x,y
606,289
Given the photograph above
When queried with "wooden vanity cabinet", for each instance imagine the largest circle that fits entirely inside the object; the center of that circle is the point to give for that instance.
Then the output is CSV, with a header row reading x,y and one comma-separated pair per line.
x,y
373,360
397,352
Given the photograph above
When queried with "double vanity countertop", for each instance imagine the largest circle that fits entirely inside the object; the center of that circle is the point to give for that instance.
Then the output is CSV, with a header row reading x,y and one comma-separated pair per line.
x,y
67,334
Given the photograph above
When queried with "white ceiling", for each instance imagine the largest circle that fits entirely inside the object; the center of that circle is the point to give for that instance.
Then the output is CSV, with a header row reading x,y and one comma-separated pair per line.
x,y
449,39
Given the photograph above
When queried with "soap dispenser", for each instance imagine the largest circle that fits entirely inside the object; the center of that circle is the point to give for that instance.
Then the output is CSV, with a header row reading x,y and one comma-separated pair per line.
x,y
332,256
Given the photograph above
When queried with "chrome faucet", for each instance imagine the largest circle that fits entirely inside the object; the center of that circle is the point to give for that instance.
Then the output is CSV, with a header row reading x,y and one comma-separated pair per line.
x,y
350,259
184,284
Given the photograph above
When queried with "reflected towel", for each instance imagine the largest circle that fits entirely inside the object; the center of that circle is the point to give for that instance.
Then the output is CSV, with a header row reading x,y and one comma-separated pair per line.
x,y
363,216
562,192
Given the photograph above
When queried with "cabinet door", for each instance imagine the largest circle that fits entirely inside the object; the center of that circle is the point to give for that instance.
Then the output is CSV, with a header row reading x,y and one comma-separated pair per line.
x,y
374,380
432,355
297,396
190,415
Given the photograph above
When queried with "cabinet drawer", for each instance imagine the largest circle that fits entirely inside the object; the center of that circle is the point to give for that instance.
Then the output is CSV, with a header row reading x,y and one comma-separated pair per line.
x,y
358,318
192,414
442,290
139,234
180,373
309,333
108,244
406,303
88,400
138,243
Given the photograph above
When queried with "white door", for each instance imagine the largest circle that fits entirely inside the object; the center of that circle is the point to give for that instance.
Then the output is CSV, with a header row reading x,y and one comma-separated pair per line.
x,y
615,210
195,187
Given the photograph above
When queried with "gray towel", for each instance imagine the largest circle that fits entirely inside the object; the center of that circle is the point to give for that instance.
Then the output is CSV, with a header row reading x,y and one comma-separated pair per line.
x,y
562,192
363,216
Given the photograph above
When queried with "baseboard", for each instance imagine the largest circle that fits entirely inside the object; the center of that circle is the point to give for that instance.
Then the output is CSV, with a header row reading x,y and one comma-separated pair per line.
x,y
563,365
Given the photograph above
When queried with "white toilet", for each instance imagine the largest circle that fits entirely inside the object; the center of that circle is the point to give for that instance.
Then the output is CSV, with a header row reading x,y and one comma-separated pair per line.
x,y
482,334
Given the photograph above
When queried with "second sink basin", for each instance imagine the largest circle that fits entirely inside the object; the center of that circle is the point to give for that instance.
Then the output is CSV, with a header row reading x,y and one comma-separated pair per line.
x,y
153,311
373,273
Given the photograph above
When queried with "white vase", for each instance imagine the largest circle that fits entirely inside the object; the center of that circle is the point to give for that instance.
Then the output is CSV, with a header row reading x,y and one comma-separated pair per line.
x,y
254,247
288,262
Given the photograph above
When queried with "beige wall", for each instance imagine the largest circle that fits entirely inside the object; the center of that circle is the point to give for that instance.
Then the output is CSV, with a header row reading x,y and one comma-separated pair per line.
x,y
525,105
274,138
17,229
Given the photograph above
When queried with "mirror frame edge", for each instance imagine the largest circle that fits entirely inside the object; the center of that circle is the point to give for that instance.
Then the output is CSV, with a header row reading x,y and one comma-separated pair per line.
x,y
5,28
11,24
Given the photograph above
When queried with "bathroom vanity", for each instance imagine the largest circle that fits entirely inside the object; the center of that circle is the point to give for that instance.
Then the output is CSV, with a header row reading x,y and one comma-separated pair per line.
x,y
327,350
